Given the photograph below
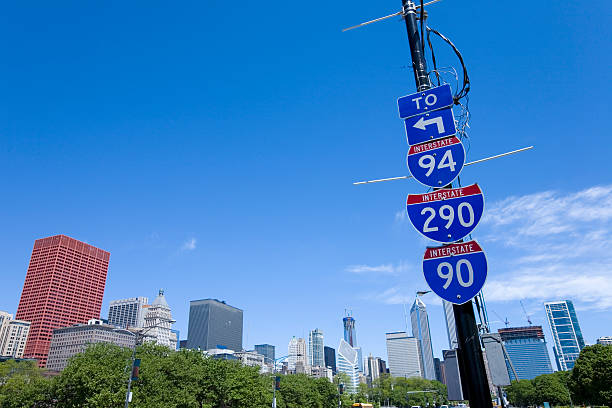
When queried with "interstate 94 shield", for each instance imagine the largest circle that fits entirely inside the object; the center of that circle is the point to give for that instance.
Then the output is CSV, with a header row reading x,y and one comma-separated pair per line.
x,y
438,162
446,215
455,272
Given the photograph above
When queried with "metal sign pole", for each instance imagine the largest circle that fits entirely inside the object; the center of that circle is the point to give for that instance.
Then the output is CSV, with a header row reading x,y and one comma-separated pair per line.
x,y
471,363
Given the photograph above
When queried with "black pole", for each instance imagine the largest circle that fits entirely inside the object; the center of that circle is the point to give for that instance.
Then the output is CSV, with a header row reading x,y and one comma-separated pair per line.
x,y
469,354
419,65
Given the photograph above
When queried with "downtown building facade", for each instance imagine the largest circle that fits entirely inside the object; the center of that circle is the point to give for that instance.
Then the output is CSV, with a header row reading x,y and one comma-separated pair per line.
x,y
347,363
64,285
297,355
268,351
213,324
605,340
69,341
404,355
526,348
128,312
350,336
451,328
420,330
330,358
158,323
316,351
13,336
567,336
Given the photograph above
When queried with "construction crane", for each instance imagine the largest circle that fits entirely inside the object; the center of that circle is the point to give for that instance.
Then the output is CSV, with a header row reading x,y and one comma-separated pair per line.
x,y
504,321
525,312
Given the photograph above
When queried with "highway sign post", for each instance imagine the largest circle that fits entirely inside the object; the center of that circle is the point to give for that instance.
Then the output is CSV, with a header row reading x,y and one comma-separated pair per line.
x,y
429,126
436,163
426,101
446,215
455,272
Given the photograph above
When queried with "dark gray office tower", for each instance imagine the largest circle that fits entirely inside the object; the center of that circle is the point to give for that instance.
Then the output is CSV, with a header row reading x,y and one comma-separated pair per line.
x,y
330,358
266,350
214,324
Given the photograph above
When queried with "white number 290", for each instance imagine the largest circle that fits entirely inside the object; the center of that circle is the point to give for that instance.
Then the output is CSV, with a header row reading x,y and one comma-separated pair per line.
x,y
447,213
448,275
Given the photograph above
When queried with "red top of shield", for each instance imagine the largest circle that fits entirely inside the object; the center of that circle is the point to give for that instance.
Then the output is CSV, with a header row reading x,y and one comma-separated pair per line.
x,y
443,194
445,251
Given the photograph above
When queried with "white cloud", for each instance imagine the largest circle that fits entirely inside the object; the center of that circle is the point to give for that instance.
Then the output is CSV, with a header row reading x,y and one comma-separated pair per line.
x,y
189,245
563,243
384,269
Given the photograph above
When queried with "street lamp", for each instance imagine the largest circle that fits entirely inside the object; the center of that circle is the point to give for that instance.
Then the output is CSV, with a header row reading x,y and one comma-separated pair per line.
x,y
138,337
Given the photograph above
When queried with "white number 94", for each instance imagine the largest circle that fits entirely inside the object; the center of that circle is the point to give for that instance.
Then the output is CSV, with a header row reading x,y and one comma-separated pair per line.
x,y
429,162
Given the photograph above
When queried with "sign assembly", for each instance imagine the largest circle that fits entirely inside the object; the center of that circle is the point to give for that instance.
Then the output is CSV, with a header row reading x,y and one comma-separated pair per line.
x,y
455,272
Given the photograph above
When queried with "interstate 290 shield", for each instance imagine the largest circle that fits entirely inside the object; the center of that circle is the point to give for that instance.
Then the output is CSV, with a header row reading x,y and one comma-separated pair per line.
x,y
455,272
438,162
446,215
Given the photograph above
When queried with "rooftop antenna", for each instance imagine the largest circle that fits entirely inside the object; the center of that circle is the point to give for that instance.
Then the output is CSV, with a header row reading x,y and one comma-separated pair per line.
x,y
525,312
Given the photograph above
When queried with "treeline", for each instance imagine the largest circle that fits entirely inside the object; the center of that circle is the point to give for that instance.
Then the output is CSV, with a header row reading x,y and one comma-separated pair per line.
x,y
589,383
98,378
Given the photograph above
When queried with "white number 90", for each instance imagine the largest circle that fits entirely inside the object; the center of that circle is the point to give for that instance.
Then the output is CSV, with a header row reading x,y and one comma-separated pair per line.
x,y
448,275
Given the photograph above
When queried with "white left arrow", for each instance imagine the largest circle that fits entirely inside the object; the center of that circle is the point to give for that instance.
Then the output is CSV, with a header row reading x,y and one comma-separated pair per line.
x,y
422,123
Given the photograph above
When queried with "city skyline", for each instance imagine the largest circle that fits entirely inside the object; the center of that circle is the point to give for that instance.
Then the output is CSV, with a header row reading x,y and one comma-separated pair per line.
x,y
349,330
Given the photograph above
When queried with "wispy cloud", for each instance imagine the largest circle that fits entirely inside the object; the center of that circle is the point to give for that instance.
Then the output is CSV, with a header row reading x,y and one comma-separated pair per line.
x,y
384,269
563,243
189,245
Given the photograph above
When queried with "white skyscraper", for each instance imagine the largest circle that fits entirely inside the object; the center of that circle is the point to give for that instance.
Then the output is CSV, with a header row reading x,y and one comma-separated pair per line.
x,y
158,322
13,335
297,353
451,329
316,356
348,359
127,312
403,355
420,330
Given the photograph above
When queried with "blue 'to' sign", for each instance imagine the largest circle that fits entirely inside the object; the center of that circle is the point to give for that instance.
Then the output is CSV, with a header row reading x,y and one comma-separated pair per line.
x,y
455,272
446,215
425,101
436,163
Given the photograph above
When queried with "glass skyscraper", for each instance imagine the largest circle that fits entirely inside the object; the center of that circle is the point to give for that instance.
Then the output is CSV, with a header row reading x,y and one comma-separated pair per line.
x,y
347,364
567,336
420,330
316,356
214,324
349,331
330,358
266,350
526,348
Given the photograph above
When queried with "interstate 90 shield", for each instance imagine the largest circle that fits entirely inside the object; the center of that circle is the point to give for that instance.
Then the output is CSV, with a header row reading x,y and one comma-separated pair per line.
x,y
446,215
455,272
438,162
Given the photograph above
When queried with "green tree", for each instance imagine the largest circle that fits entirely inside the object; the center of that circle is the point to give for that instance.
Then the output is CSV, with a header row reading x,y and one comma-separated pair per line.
x,y
94,378
521,393
550,388
591,378
23,385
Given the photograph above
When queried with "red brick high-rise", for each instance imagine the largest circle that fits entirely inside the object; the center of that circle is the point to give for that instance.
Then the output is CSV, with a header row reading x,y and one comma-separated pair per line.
x,y
64,285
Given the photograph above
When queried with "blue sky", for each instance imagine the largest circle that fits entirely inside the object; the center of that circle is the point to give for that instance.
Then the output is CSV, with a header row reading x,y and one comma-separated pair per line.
x,y
211,146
